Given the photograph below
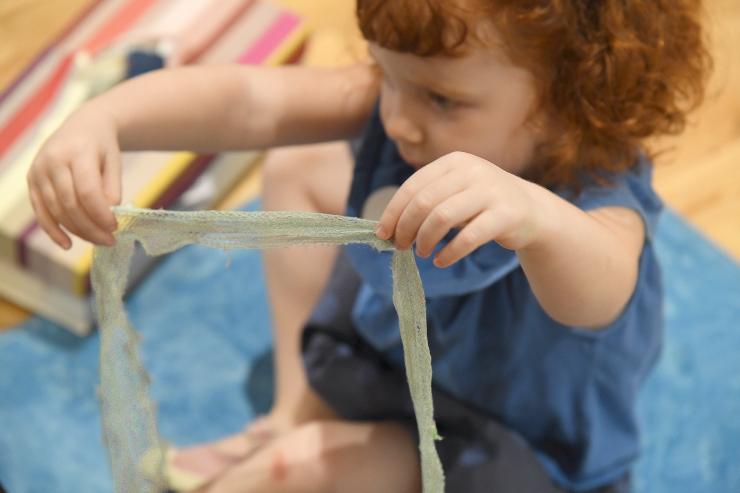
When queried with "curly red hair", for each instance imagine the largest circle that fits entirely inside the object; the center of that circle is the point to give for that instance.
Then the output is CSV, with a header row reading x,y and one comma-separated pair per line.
x,y
611,73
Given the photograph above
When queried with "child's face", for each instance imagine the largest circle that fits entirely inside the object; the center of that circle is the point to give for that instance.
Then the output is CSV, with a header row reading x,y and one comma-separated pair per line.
x,y
478,103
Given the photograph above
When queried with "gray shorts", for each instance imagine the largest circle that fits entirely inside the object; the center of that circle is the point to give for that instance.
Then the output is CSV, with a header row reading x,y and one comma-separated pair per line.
x,y
478,453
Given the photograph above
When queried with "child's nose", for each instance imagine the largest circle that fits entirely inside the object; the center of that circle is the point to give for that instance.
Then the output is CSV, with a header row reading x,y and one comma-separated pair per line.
x,y
403,129
400,125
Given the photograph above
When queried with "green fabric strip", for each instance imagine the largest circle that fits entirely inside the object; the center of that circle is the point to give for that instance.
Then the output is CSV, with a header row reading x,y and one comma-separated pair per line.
x,y
135,450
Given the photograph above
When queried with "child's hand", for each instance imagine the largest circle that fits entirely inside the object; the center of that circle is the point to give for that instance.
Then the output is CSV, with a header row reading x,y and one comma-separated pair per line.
x,y
460,190
76,177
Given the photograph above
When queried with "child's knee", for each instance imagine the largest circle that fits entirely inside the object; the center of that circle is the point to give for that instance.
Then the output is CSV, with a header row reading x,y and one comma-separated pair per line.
x,y
282,171
312,177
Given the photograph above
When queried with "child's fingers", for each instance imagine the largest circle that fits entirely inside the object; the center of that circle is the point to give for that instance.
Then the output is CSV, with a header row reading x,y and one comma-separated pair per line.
x,y
76,217
49,197
407,191
112,177
424,203
66,209
481,229
457,210
88,185
47,223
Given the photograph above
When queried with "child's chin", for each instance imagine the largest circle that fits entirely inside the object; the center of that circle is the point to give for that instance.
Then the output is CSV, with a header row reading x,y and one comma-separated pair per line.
x,y
411,160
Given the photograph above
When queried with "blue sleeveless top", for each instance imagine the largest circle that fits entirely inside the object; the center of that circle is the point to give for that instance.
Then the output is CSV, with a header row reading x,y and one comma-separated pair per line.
x,y
570,392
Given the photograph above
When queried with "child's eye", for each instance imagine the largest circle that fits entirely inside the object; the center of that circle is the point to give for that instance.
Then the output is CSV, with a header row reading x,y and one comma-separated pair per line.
x,y
440,101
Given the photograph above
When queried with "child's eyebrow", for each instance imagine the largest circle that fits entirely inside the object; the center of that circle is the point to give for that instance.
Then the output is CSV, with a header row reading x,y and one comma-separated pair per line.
x,y
444,89
447,90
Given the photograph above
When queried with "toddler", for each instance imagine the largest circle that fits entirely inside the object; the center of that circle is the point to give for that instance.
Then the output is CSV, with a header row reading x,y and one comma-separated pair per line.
x,y
505,141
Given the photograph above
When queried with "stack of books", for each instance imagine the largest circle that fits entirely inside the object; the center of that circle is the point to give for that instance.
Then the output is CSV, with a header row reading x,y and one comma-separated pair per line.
x,y
110,41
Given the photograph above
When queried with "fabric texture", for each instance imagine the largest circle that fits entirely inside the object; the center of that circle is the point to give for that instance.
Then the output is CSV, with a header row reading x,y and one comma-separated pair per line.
x,y
135,450
569,391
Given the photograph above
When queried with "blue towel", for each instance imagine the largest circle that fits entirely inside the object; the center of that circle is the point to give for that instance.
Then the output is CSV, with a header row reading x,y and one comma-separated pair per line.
x,y
206,342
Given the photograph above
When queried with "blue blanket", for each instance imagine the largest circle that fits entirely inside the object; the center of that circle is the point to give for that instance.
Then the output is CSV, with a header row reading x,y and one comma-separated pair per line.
x,y
206,342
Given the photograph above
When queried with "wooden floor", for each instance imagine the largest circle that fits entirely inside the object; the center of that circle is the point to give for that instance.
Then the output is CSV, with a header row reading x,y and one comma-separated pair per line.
x,y
701,176
698,175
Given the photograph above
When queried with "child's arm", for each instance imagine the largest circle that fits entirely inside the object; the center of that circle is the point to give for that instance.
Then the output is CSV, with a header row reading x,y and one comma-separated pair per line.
x,y
582,267
75,177
231,107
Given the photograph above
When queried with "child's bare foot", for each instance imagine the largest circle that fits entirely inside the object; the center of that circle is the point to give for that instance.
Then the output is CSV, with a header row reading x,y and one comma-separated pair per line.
x,y
193,467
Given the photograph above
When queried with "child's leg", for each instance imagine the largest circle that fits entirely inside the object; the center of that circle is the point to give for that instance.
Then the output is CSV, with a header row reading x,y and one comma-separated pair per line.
x,y
304,178
327,457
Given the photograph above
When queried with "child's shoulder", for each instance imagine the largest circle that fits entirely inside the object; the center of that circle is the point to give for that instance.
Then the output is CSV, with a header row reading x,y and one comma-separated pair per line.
x,y
632,189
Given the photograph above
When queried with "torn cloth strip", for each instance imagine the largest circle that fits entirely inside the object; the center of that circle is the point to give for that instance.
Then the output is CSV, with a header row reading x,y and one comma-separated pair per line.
x,y
136,452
